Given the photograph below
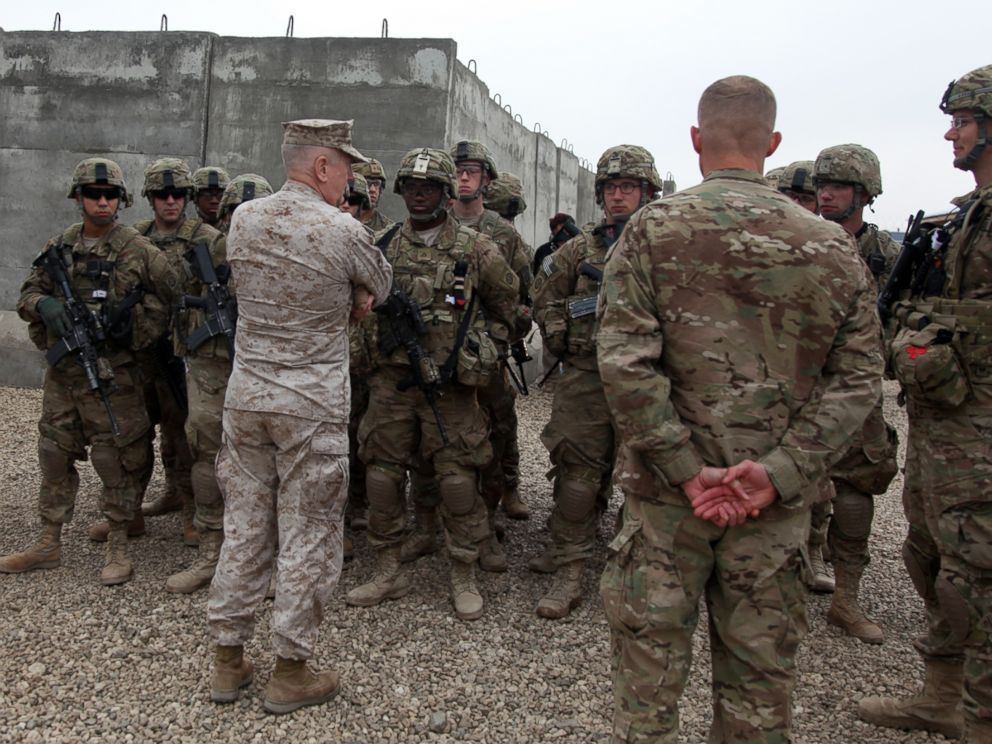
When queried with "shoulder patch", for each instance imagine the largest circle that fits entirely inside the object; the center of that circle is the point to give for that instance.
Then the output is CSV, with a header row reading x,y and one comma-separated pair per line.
x,y
548,264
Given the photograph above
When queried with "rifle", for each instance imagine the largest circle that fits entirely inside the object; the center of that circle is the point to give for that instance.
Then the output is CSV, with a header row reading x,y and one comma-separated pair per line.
x,y
173,369
84,334
220,307
578,308
518,350
405,325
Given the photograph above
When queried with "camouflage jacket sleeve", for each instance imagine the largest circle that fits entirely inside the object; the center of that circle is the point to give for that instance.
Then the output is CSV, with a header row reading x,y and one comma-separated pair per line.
x,y
553,284
36,285
499,291
370,269
519,257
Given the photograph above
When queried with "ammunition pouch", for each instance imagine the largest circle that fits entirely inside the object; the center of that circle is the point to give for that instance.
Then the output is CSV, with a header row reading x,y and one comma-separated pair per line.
x,y
581,313
927,366
478,359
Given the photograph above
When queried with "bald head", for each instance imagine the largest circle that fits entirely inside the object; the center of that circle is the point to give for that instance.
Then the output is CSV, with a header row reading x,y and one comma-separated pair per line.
x,y
736,123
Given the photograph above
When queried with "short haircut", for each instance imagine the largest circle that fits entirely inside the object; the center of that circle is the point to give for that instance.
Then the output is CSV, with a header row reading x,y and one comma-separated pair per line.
x,y
301,157
737,113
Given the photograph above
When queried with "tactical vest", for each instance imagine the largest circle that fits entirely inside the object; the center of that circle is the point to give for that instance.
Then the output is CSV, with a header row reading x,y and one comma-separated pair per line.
x,y
580,306
869,245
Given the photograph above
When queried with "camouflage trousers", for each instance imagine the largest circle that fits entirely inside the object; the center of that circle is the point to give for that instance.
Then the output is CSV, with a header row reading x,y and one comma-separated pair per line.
x,y
661,562
399,432
74,418
581,444
948,551
359,405
498,400
165,411
285,483
206,384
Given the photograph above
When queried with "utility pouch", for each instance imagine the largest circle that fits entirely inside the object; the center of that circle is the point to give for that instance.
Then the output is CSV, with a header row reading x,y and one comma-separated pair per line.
x,y
927,365
478,359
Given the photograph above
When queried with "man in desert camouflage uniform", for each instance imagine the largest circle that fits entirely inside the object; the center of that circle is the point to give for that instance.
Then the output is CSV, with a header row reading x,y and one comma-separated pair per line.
x,y
209,183
940,353
127,285
506,197
579,436
300,265
847,179
423,409
375,176
736,330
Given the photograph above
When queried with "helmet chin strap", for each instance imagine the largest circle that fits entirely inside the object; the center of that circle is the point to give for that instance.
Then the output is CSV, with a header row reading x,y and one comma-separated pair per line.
x,y
441,209
856,204
968,161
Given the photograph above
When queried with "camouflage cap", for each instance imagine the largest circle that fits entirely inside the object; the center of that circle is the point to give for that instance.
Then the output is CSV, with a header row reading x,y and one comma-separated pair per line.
x,y
971,91
210,177
359,187
428,164
773,176
241,189
506,196
371,170
470,150
99,171
167,173
797,176
321,133
853,164
627,161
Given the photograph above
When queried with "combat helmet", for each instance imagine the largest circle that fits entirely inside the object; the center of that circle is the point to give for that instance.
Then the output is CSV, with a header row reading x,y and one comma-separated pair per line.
x,y
101,172
167,173
371,170
773,176
209,177
628,161
506,196
971,91
358,192
428,164
241,189
797,176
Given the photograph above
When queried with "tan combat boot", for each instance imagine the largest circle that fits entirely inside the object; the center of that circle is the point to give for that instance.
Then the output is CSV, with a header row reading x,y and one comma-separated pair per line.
x,y
45,553
977,731
294,686
936,708
822,582
231,672
169,501
117,569
492,557
514,506
845,612
464,592
191,536
97,531
545,561
389,582
423,539
201,573
565,593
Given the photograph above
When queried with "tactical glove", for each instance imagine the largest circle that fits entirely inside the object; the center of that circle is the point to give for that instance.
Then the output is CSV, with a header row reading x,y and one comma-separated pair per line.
x,y
53,313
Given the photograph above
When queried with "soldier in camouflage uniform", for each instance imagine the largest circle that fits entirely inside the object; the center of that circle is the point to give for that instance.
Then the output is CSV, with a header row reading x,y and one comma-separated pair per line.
x,y
300,266
209,183
579,436
127,284
241,189
772,176
847,179
375,176
506,197
945,369
796,181
453,274
725,310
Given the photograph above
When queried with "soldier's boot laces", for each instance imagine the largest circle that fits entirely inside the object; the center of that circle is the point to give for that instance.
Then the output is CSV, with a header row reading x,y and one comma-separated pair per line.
x,y
167,502
936,708
231,672
846,613
514,506
97,531
565,593
389,582
423,540
201,572
191,536
45,553
117,569
823,582
544,562
464,592
294,686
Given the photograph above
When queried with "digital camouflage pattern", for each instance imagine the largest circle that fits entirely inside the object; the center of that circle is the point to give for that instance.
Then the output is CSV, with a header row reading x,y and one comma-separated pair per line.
x,y
283,464
99,171
853,164
505,196
797,176
726,310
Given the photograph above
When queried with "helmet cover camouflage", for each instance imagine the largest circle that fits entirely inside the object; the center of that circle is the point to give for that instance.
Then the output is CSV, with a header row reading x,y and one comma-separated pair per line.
x,y
971,91
506,196
99,171
470,150
626,161
371,170
428,164
209,177
241,189
167,173
773,176
797,176
359,187
851,164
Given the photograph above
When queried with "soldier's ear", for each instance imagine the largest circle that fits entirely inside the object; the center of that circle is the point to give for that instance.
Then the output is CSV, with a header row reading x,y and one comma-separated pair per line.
x,y
773,144
696,139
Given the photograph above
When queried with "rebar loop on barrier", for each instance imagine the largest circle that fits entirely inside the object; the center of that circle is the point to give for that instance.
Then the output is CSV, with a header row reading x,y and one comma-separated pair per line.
x,y
473,67
564,143
163,25
508,109
385,28
57,23
498,98
518,118
289,28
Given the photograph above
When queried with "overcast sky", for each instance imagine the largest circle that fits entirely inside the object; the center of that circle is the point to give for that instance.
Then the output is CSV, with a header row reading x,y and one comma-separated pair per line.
x,y
600,74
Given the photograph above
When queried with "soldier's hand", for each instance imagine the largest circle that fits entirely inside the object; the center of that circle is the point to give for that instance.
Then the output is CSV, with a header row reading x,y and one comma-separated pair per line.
x,y
725,504
748,481
362,302
53,314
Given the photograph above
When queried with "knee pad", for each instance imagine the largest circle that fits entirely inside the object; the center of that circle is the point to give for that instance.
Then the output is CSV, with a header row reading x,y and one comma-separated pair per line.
x,y
853,513
459,492
108,465
576,499
203,478
54,462
382,487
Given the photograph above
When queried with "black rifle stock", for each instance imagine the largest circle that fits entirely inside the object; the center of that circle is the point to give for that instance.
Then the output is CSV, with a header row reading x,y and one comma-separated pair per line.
x,y
914,247
219,306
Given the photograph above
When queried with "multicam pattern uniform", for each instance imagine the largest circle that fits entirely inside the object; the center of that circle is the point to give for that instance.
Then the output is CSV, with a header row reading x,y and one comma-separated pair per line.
x,y
948,490
283,466
726,310
72,416
399,427
580,436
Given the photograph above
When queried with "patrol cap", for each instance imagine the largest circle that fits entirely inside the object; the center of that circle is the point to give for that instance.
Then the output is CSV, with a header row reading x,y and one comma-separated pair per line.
x,y
321,133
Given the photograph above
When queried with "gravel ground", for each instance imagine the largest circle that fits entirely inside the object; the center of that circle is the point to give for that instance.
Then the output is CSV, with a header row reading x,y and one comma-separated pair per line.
x,y
81,662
